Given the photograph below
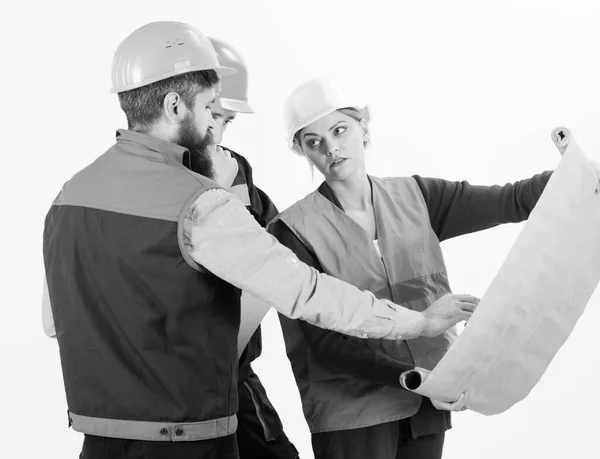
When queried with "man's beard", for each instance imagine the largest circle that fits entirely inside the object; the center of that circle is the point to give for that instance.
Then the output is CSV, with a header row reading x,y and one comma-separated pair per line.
x,y
189,137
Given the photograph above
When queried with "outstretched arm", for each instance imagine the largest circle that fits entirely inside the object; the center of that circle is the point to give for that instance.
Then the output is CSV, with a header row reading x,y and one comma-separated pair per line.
x,y
457,208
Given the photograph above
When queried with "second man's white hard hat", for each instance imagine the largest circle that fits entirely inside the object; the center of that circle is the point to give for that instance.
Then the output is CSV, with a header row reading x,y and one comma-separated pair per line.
x,y
161,50
234,88
312,100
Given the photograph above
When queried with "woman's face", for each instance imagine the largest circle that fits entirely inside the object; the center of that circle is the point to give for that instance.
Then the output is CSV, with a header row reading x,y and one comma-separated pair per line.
x,y
335,144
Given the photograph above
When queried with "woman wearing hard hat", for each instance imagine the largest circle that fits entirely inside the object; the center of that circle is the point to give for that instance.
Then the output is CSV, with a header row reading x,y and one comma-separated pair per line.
x,y
381,235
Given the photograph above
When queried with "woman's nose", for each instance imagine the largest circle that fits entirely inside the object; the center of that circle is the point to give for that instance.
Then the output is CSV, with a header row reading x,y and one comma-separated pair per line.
x,y
331,147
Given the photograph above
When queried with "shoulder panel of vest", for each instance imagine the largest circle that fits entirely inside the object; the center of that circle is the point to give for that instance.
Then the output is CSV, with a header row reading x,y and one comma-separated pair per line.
x,y
404,185
122,182
305,208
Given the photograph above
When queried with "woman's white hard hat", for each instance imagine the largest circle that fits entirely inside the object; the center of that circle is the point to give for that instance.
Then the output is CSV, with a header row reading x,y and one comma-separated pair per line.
x,y
312,100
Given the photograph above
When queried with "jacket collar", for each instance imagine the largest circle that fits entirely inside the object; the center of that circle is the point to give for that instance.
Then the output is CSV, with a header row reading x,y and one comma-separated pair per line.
x,y
145,145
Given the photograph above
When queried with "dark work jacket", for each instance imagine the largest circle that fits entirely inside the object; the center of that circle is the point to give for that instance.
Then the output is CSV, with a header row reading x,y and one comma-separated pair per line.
x,y
262,208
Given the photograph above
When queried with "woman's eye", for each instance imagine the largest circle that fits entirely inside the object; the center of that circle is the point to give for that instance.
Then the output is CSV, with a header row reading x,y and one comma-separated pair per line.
x,y
313,143
340,130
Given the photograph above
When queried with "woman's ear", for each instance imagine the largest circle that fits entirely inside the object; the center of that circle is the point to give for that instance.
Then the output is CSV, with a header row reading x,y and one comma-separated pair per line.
x,y
366,113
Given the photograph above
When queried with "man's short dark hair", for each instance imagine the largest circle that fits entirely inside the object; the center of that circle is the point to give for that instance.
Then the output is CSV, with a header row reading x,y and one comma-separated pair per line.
x,y
144,105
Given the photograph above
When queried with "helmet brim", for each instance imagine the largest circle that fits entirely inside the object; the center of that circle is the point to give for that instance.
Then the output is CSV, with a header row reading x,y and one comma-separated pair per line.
x,y
221,71
225,71
233,105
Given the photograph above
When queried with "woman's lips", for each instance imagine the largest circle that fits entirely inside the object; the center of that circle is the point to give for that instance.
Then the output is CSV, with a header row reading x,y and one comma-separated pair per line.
x,y
338,162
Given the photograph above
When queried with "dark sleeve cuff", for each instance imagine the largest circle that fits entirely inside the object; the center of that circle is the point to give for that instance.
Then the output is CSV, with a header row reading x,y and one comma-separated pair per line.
x,y
353,356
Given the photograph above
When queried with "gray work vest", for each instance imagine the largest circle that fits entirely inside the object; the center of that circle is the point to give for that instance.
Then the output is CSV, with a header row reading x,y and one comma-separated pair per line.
x,y
412,274
147,338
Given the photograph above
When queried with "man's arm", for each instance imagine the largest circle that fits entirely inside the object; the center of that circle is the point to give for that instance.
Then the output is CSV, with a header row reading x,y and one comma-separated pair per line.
x,y
457,208
335,350
263,210
221,236
47,319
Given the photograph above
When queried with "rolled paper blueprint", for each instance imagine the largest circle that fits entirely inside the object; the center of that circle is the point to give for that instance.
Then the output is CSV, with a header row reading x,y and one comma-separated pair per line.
x,y
533,303
561,137
412,379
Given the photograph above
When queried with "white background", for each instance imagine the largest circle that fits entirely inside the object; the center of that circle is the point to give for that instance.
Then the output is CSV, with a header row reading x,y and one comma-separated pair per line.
x,y
459,90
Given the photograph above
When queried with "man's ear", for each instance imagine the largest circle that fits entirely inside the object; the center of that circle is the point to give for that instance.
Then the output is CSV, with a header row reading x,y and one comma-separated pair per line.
x,y
174,108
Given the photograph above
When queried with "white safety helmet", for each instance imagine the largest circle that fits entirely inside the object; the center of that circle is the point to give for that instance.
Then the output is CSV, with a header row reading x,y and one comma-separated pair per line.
x,y
161,50
313,100
234,88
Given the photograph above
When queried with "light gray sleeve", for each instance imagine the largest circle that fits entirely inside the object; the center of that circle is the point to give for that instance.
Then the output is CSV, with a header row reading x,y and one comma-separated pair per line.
x,y
222,236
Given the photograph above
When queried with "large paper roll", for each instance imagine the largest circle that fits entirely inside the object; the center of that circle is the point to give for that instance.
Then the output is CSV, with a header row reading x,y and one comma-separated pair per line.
x,y
535,300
